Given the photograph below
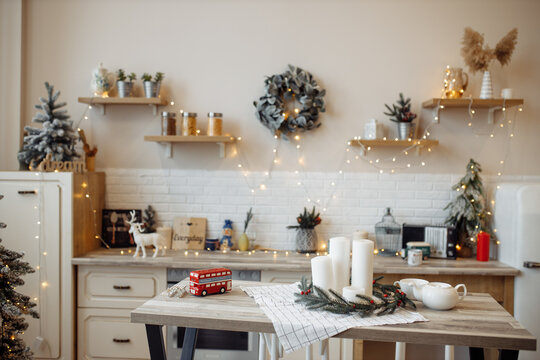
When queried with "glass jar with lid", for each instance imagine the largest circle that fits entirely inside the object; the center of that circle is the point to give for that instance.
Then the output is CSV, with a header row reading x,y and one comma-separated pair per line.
x,y
189,124
215,124
168,123
388,235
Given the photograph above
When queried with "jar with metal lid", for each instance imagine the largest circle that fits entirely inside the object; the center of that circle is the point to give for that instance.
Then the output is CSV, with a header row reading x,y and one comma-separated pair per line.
x,y
215,124
189,124
388,235
168,123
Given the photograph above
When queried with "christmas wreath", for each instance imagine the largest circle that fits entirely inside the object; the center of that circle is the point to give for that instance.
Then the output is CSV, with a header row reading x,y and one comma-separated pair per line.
x,y
388,298
292,101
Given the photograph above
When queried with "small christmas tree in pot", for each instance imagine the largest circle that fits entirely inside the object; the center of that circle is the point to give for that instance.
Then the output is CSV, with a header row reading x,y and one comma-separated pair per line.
x,y
243,240
306,237
401,114
56,137
468,212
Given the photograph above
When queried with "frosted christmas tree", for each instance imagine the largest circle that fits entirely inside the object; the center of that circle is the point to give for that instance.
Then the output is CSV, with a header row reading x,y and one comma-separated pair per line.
x,y
468,212
56,137
13,306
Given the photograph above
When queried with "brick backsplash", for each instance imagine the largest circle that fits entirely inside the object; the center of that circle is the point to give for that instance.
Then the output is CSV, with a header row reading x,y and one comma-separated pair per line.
x,y
360,198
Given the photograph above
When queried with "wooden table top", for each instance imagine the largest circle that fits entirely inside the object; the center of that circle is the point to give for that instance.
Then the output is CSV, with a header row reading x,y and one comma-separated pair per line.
x,y
478,321
289,261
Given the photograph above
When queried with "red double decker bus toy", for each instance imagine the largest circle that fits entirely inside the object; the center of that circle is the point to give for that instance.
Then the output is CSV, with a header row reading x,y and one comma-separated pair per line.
x,y
210,281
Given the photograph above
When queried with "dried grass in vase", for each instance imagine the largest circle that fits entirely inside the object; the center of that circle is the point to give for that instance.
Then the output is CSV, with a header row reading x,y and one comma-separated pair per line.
x,y
478,56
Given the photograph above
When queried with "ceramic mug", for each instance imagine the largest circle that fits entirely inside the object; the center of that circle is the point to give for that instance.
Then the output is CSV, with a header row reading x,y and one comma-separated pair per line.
x,y
408,286
440,296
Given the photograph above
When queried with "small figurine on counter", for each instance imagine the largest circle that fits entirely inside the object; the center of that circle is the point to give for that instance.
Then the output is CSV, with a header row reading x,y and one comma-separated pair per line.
x,y
143,240
226,239
210,281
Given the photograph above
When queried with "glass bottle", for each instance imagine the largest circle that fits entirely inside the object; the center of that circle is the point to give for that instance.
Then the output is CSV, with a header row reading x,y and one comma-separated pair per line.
x,y
168,123
388,235
214,124
189,124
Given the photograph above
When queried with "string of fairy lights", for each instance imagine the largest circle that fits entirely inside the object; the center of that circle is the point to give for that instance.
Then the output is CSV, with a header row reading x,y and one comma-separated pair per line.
x,y
354,151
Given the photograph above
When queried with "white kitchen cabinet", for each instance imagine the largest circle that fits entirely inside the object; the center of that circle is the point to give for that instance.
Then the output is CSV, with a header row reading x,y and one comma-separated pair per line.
x,y
38,210
106,296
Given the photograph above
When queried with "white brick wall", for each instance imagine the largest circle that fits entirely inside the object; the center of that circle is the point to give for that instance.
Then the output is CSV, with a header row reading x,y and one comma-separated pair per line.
x,y
360,198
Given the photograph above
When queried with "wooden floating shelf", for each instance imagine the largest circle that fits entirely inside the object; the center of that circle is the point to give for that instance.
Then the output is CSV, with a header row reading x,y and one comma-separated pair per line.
x,y
418,143
103,102
476,103
491,104
170,139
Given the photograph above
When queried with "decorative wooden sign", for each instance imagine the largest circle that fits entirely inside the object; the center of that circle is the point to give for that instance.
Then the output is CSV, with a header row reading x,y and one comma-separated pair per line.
x,y
48,165
189,233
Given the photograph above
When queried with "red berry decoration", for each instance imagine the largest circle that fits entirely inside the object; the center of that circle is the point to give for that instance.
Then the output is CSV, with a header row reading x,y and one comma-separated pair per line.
x,y
309,291
385,295
371,301
301,292
374,281
354,306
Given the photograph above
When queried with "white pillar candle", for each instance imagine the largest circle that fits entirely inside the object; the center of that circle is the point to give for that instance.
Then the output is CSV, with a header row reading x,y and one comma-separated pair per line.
x,y
360,234
340,252
350,292
321,272
362,265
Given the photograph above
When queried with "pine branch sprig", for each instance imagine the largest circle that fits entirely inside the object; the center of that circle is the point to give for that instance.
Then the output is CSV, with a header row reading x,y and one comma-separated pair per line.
x,y
388,299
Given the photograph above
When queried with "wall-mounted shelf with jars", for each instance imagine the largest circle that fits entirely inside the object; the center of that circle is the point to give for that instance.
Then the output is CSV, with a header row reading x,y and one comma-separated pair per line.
x,y
169,140
418,144
491,104
101,102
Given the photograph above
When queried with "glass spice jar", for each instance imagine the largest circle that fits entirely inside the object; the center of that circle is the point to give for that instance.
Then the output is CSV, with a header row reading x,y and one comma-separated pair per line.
x,y
189,124
168,123
215,123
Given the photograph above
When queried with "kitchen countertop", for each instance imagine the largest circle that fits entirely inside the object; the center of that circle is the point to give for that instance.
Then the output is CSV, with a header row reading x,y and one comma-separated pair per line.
x,y
288,261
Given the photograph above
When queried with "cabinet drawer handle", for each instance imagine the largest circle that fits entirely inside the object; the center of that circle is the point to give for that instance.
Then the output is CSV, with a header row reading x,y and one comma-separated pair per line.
x,y
3,225
27,192
121,287
121,340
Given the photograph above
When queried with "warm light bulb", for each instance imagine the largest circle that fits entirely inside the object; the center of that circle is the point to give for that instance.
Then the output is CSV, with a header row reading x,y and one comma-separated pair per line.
x,y
44,284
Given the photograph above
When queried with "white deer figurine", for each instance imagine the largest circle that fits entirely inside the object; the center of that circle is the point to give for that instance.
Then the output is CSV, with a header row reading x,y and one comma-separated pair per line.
x,y
142,239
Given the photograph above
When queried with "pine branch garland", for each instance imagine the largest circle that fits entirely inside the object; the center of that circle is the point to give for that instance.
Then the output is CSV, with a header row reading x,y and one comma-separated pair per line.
x,y
389,299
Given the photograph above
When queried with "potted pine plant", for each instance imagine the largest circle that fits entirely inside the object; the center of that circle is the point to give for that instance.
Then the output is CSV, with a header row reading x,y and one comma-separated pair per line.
x,y
152,87
243,240
306,236
401,114
124,87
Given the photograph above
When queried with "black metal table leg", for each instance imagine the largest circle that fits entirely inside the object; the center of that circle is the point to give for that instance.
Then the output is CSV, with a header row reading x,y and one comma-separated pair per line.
x,y
188,348
155,342
508,354
476,353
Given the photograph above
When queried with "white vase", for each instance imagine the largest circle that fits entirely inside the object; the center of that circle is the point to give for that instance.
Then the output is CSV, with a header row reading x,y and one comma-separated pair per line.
x,y
487,90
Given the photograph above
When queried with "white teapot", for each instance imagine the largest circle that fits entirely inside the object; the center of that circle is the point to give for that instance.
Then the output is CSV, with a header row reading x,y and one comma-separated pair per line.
x,y
438,295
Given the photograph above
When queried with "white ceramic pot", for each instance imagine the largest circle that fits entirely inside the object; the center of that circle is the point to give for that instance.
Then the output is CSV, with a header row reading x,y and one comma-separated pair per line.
x,y
408,285
440,296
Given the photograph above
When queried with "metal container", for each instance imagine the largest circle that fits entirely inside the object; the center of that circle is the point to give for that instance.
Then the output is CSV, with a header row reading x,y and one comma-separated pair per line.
x,y
168,123
151,89
388,235
124,88
215,124
189,124
406,130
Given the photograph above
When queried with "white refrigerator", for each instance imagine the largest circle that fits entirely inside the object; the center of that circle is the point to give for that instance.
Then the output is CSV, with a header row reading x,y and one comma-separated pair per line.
x,y
517,220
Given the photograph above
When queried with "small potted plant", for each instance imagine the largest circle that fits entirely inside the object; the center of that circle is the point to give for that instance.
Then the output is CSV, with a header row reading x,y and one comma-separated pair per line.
x,y
306,237
401,114
152,88
124,87
243,240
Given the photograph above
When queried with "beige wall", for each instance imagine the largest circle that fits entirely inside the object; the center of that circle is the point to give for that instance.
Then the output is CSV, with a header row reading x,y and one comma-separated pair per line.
x,y
10,82
215,55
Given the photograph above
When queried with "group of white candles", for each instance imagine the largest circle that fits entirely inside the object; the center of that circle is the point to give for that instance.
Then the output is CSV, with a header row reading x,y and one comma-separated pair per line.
x,y
334,270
